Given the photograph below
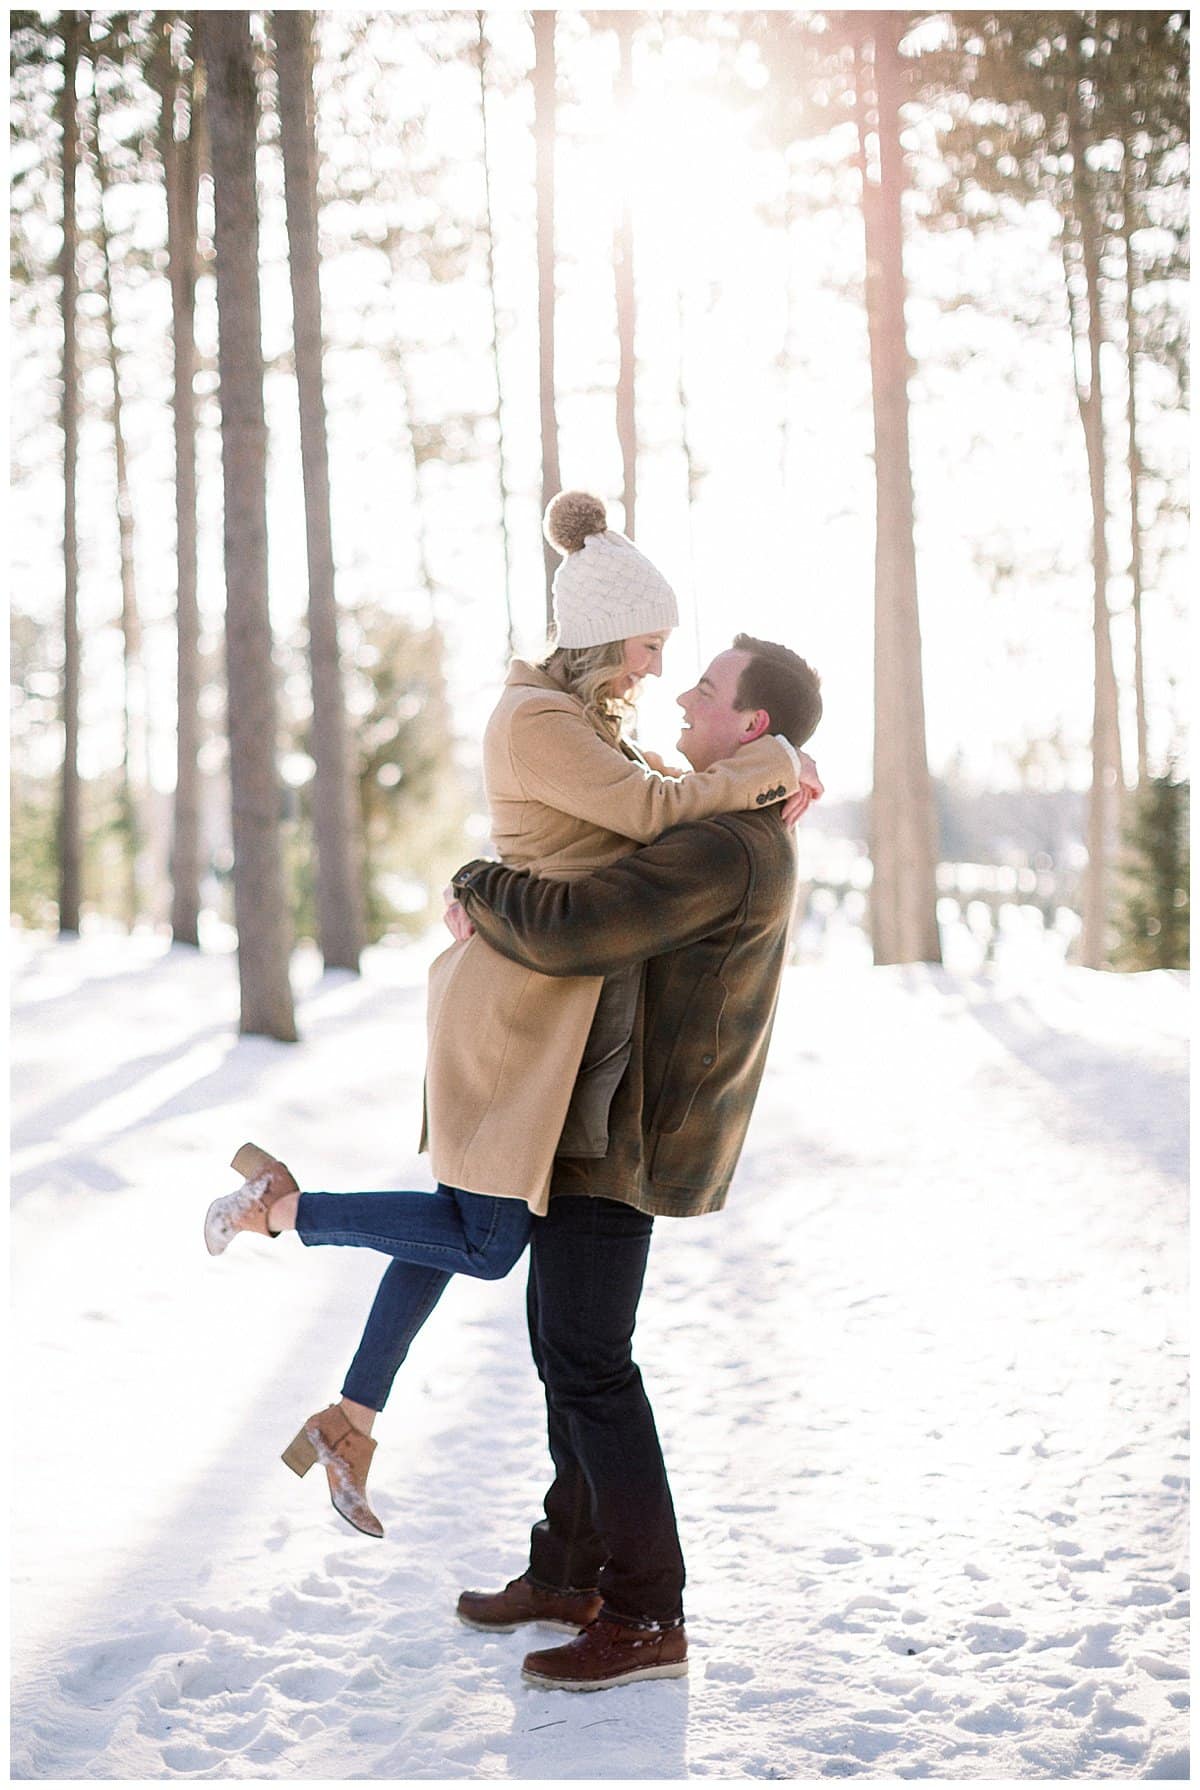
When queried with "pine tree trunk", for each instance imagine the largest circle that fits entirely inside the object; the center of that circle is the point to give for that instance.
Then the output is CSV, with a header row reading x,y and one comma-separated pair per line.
x,y
626,303
501,473
337,827
544,133
1106,750
181,173
420,524
904,834
262,923
70,845
1135,467
786,361
691,464
133,755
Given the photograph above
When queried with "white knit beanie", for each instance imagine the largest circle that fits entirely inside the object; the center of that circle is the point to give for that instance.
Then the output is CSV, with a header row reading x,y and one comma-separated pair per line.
x,y
604,589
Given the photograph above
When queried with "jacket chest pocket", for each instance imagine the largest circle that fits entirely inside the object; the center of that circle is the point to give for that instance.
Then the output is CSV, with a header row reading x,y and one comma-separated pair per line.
x,y
693,1056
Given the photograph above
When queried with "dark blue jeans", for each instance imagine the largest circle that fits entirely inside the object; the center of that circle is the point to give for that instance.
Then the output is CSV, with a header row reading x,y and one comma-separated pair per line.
x,y
432,1236
609,1517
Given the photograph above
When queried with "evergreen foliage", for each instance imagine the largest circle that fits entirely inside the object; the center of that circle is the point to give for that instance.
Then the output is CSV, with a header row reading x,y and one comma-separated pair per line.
x,y
1153,918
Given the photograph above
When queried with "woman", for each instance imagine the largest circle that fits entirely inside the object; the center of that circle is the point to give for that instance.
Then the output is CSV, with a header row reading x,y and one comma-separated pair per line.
x,y
506,1046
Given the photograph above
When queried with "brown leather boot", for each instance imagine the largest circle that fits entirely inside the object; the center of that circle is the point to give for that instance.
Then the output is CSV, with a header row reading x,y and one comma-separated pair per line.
x,y
521,1602
608,1652
346,1455
267,1180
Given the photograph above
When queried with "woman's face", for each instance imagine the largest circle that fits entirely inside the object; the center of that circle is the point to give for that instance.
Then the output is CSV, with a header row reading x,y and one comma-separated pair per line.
x,y
641,657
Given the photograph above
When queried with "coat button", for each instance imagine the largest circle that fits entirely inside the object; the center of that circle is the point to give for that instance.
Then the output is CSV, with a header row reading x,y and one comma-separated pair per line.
x,y
707,1061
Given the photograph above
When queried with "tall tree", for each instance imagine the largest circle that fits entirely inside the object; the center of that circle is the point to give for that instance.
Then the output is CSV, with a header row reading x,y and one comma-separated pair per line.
x,y
1134,460
1142,105
175,73
544,129
133,752
623,275
1041,84
70,843
490,239
904,839
830,70
1107,782
337,826
262,923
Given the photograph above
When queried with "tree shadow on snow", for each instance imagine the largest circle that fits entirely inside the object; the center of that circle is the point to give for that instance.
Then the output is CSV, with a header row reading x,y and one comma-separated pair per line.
x,y
1150,1118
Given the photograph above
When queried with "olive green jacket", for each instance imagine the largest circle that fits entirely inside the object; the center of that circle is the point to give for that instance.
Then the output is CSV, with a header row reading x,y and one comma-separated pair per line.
x,y
707,909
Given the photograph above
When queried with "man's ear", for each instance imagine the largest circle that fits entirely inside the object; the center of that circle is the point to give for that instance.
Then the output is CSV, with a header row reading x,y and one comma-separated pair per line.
x,y
758,724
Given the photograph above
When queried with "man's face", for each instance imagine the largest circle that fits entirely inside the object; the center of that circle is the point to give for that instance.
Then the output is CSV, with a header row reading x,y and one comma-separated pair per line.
x,y
712,727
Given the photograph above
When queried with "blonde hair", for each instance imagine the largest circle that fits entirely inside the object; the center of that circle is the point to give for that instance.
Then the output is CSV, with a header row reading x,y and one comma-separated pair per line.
x,y
587,672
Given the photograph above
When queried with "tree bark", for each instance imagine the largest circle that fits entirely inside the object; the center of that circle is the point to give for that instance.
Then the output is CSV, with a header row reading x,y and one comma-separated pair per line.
x,y
181,159
337,824
623,272
70,845
1106,748
544,133
1135,466
259,905
133,754
501,473
691,464
904,833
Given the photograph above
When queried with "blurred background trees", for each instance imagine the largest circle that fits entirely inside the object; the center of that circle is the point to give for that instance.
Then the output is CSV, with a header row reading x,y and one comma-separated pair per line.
x,y
830,306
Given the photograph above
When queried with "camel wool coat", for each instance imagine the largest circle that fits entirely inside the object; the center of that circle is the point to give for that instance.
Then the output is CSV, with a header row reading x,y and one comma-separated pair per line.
x,y
505,1042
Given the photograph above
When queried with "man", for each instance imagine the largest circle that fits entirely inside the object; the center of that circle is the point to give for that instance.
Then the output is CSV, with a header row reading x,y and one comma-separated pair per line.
x,y
706,909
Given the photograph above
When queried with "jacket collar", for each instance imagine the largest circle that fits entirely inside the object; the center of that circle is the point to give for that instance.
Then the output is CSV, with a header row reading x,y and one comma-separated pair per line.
x,y
524,675
522,672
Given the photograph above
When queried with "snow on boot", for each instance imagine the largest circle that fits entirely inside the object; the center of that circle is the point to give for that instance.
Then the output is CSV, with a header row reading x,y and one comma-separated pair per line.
x,y
267,1180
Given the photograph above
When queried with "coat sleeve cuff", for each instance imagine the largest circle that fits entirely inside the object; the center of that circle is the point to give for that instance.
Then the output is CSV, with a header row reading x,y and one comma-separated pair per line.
x,y
462,877
792,754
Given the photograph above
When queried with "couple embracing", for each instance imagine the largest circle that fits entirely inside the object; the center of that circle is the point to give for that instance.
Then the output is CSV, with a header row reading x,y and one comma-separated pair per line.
x,y
597,1035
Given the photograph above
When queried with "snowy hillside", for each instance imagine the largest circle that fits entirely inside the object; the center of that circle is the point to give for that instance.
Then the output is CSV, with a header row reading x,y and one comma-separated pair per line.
x,y
921,1388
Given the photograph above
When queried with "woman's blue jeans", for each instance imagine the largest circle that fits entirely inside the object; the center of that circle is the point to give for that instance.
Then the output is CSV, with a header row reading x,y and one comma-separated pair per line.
x,y
432,1236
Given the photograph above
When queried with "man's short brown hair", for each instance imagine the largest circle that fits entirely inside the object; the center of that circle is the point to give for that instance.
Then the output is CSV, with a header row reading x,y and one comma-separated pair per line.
x,y
780,681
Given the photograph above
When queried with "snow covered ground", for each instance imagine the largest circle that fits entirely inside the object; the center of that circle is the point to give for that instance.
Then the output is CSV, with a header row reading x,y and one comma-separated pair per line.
x,y
921,1388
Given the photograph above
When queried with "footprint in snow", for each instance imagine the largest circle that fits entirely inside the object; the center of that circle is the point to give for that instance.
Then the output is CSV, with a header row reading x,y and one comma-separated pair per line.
x,y
316,1586
728,1672
308,1683
189,1758
1096,1649
1107,1716
908,1644
990,1637
102,1668
203,1678
1146,1595
998,1718
252,1623
1155,1666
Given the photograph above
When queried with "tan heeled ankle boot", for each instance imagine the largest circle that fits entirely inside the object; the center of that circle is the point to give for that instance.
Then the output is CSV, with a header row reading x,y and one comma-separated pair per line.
x,y
346,1455
267,1180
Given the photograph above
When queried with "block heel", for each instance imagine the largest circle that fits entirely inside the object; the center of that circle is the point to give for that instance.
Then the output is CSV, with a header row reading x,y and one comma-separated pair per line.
x,y
346,1455
250,1162
300,1454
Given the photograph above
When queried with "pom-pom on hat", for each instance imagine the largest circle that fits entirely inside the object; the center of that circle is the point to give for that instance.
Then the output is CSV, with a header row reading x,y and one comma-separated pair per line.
x,y
604,589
